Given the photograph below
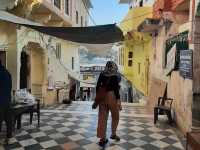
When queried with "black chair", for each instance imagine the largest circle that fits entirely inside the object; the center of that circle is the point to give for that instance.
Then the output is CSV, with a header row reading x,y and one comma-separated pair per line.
x,y
164,107
35,109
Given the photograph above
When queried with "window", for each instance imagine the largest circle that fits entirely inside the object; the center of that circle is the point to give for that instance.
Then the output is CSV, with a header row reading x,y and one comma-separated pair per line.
x,y
130,55
141,3
81,21
119,57
58,50
3,57
57,3
67,7
72,63
123,57
130,63
139,68
76,17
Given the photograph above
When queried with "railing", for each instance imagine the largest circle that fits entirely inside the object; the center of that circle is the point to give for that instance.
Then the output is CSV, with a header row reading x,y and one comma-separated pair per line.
x,y
167,5
164,5
175,3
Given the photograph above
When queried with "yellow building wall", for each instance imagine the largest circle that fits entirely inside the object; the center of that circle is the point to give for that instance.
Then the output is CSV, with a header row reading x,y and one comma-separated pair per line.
x,y
141,46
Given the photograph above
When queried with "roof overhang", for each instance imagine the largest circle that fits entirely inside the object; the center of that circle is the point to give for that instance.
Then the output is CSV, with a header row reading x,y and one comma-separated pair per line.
x,y
149,25
5,16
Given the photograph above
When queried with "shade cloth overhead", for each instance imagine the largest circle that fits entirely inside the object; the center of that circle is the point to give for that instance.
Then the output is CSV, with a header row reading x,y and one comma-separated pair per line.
x,y
101,34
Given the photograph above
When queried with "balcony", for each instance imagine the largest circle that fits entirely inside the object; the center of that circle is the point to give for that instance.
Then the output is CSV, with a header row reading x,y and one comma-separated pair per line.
x,y
170,5
164,5
51,13
180,5
149,25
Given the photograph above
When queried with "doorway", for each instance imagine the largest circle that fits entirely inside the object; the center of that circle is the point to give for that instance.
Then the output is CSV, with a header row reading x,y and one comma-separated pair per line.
x,y
3,57
24,70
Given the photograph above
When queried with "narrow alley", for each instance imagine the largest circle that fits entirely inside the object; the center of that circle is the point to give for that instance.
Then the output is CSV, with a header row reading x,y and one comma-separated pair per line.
x,y
73,127
66,65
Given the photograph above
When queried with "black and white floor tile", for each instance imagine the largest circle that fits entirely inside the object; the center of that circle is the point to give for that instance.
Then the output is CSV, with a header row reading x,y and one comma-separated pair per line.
x,y
73,127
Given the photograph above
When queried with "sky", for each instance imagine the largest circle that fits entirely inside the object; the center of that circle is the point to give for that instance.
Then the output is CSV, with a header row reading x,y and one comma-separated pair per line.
x,y
108,11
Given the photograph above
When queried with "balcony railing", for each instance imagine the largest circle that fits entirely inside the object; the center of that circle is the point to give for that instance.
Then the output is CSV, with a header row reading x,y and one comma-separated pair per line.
x,y
180,4
169,5
164,5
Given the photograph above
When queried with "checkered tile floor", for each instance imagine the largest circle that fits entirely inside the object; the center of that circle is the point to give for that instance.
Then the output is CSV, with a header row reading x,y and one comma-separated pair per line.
x,y
73,127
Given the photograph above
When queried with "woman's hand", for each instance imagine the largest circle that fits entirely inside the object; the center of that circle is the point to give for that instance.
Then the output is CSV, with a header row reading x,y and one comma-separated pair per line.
x,y
94,105
119,105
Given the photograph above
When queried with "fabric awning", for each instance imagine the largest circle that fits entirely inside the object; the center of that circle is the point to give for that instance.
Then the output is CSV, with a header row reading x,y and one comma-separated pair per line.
x,y
101,34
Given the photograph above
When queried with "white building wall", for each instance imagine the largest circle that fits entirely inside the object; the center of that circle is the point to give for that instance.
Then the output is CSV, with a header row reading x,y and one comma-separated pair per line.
x,y
16,38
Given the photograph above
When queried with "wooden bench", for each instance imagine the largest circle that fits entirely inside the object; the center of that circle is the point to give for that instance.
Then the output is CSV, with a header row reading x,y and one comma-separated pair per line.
x,y
164,106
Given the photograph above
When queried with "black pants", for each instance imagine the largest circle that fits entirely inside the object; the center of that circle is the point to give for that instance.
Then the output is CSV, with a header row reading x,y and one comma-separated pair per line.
x,y
5,115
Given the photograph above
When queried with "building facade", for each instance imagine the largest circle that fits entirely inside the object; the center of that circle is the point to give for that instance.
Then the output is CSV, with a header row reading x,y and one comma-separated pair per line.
x,y
134,53
174,59
39,62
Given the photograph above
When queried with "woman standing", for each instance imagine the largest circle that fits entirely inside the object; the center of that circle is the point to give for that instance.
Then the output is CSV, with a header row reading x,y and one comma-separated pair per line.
x,y
109,79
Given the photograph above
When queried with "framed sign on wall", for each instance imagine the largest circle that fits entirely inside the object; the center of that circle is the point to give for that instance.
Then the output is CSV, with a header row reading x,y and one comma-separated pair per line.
x,y
186,64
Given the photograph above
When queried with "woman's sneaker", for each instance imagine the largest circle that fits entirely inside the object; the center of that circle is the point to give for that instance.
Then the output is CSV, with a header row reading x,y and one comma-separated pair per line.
x,y
115,137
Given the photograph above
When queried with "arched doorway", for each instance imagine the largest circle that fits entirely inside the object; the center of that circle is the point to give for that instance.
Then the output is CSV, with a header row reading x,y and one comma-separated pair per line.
x,y
32,70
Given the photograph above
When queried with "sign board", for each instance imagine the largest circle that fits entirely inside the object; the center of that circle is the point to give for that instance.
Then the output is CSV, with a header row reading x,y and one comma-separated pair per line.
x,y
185,65
171,60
